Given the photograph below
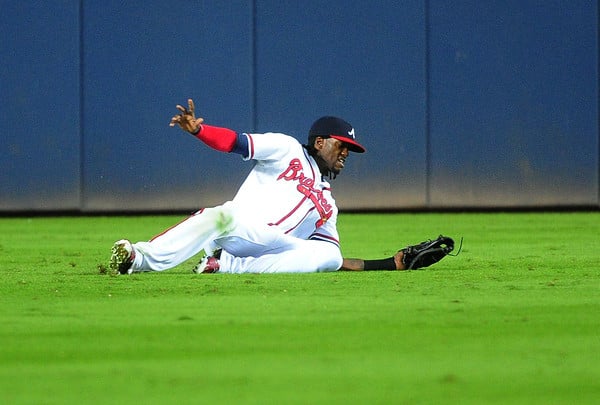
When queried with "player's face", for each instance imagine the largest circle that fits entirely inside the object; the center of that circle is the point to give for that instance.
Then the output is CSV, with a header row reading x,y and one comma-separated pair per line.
x,y
333,154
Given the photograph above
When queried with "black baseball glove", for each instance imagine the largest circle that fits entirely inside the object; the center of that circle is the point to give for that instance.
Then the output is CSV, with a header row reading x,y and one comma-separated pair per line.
x,y
427,253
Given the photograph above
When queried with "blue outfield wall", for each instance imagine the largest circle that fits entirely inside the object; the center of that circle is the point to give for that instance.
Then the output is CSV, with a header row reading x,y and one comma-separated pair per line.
x,y
460,104
514,103
40,147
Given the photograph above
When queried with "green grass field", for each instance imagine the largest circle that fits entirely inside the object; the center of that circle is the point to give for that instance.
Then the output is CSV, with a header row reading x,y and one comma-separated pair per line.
x,y
515,318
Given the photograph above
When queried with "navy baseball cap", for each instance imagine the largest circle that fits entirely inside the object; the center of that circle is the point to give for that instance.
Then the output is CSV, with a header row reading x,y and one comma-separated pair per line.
x,y
336,128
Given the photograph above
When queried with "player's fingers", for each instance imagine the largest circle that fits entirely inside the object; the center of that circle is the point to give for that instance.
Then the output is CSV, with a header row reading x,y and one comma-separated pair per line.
x,y
191,105
180,108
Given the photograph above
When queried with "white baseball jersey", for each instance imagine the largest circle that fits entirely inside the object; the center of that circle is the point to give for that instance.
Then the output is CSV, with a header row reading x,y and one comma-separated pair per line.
x,y
285,189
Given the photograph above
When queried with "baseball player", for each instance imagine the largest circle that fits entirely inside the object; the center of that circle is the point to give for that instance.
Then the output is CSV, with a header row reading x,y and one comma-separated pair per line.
x,y
283,217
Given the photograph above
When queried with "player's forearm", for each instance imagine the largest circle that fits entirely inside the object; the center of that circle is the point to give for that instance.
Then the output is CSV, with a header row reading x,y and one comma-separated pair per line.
x,y
390,263
353,265
221,139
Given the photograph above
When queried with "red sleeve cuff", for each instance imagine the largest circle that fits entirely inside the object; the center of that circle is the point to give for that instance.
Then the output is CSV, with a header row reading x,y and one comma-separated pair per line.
x,y
221,139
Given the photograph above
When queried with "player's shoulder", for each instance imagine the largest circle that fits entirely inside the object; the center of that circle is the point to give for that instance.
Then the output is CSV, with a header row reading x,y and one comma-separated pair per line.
x,y
273,146
278,137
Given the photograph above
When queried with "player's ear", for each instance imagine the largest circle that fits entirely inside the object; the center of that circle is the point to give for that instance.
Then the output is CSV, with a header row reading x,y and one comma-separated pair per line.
x,y
319,142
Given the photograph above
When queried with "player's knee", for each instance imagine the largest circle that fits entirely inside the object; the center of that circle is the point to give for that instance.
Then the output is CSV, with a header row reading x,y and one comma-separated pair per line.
x,y
330,258
333,264
225,220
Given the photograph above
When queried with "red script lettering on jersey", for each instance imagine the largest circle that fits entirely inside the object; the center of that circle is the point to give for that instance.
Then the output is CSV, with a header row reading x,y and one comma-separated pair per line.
x,y
295,172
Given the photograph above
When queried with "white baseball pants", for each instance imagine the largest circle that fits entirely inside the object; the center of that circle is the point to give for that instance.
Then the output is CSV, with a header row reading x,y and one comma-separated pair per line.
x,y
247,247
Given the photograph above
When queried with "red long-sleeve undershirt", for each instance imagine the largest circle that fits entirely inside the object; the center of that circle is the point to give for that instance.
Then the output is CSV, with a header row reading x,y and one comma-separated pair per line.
x,y
221,139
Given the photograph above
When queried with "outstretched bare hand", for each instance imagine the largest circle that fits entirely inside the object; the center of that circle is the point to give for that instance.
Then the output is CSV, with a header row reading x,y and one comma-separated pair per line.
x,y
187,120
